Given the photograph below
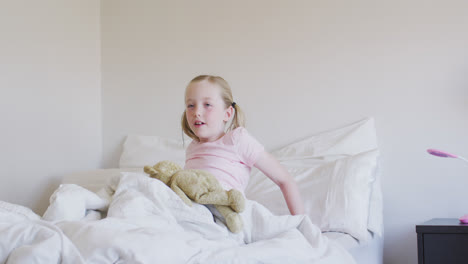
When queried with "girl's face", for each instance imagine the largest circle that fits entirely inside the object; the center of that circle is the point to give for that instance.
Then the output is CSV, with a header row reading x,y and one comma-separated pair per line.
x,y
205,110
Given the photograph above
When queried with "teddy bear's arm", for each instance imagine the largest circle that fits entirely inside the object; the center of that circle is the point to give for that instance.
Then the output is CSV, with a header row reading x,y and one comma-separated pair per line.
x,y
181,194
214,197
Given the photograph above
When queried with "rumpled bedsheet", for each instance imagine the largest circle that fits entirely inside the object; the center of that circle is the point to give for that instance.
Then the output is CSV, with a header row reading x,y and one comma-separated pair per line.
x,y
137,219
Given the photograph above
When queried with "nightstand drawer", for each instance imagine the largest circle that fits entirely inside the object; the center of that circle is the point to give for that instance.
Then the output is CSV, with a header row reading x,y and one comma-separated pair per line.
x,y
445,248
442,241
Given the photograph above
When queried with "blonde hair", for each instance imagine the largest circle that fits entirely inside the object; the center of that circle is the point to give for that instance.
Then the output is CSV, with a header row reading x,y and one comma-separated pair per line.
x,y
226,95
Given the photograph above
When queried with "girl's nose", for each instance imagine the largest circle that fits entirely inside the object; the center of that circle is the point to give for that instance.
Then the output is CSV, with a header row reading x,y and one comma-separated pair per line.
x,y
198,111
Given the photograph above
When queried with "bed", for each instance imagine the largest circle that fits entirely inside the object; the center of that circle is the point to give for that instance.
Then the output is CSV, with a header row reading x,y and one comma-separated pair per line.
x,y
338,173
122,216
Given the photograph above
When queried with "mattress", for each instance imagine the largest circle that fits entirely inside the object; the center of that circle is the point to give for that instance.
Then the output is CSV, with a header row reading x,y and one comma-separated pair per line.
x,y
369,252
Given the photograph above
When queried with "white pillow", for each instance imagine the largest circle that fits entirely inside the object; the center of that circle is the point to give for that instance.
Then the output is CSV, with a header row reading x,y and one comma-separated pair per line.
x,y
139,151
348,140
15,213
94,180
334,171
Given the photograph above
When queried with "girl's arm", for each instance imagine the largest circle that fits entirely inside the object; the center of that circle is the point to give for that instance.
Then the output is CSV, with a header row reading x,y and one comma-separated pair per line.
x,y
271,167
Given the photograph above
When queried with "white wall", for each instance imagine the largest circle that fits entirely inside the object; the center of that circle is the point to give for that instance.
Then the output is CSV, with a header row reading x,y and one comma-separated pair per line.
x,y
300,67
50,101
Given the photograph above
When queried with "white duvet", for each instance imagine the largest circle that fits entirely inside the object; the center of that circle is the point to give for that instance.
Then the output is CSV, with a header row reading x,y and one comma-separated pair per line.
x,y
136,219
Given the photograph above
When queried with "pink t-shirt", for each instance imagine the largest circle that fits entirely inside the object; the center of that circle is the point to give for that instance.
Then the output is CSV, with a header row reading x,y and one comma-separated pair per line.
x,y
229,158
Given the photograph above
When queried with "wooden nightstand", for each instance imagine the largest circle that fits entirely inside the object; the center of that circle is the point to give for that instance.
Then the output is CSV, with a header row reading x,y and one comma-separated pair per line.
x,y
442,240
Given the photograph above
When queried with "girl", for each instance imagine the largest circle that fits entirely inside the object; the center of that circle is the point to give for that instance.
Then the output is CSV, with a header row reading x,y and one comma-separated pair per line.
x,y
230,155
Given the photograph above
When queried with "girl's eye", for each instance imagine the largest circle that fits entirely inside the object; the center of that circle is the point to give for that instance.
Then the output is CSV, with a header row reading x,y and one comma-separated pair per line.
x,y
190,106
207,105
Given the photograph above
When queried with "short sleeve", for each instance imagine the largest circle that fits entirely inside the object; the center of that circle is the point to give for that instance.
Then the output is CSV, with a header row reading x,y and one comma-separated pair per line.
x,y
248,148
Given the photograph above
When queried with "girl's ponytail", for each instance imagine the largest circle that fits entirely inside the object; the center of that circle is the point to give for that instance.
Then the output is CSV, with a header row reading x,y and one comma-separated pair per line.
x,y
186,128
238,120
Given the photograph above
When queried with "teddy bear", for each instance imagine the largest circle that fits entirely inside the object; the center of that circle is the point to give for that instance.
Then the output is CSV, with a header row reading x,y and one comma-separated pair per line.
x,y
201,187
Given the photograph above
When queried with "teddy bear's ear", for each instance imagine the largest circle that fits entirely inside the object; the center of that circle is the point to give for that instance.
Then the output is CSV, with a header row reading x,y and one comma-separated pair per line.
x,y
150,170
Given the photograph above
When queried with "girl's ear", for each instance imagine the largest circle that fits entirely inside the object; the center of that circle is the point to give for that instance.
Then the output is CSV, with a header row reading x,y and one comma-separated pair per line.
x,y
228,113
